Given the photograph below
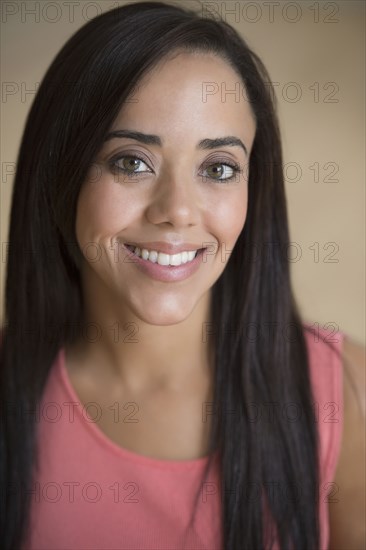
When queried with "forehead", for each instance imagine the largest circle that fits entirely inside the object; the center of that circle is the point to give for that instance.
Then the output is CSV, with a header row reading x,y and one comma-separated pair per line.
x,y
186,95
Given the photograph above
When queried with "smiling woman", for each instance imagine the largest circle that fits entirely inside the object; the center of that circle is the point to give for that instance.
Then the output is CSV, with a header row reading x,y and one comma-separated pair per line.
x,y
167,212
183,194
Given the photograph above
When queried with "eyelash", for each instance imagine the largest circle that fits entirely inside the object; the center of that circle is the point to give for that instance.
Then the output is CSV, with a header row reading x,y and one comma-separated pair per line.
x,y
235,167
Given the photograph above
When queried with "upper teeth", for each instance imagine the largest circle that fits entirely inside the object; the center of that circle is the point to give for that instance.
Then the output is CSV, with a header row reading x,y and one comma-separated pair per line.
x,y
165,259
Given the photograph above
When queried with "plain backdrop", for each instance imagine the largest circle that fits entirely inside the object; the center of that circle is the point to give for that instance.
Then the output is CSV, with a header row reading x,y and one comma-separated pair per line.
x,y
315,54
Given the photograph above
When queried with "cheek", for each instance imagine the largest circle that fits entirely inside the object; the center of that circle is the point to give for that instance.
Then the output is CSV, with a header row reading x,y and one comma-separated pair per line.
x,y
228,216
102,212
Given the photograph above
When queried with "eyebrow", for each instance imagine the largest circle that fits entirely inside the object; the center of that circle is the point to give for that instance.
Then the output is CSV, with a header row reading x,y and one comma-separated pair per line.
x,y
151,139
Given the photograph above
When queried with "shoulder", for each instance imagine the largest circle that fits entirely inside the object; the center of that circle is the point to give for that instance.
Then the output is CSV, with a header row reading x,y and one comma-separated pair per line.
x,y
347,513
354,364
324,349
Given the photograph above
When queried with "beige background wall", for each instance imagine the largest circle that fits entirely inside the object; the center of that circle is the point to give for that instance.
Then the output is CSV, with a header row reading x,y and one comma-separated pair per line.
x,y
315,53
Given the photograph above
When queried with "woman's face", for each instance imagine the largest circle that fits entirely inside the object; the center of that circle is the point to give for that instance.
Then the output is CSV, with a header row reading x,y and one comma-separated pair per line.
x,y
176,188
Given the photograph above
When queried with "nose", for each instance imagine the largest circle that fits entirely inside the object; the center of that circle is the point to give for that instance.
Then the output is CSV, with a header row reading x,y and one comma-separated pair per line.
x,y
175,200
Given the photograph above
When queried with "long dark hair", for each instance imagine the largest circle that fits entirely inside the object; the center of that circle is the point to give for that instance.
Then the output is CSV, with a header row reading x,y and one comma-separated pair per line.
x,y
77,102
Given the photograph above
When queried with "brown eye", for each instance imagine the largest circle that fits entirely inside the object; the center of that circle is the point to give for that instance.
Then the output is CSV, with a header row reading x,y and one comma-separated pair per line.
x,y
216,170
221,171
129,165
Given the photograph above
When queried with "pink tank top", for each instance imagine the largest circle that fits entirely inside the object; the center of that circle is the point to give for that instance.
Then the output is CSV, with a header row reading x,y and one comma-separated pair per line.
x,y
92,494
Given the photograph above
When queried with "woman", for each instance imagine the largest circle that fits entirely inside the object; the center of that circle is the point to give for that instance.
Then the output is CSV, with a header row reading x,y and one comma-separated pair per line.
x,y
159,387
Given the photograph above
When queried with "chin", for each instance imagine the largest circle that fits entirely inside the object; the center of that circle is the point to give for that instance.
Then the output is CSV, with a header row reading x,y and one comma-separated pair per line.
x,y
162,309
163,312
163,318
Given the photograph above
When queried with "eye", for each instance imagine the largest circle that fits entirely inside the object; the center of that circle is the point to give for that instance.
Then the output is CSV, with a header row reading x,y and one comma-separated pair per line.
x,y
129,165
222,171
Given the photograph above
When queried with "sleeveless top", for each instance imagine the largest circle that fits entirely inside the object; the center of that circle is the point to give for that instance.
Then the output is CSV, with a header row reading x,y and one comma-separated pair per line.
x,y
92,494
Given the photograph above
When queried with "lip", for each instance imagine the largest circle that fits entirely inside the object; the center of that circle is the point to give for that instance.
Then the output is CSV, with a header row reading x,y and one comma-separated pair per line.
x,y
167,248
165,273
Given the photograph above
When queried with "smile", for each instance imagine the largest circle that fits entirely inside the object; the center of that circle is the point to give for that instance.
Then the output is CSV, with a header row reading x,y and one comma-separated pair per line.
x,y
164,259
160,267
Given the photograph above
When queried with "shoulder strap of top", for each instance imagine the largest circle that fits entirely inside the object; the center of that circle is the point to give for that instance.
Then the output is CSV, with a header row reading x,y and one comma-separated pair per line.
x,y
326,374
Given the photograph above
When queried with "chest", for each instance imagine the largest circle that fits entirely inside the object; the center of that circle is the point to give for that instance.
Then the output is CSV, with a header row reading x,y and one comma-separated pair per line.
x,y
169,424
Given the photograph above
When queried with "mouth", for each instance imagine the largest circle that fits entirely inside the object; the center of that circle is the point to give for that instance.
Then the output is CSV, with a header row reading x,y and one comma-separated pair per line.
x,y
164,267
165,259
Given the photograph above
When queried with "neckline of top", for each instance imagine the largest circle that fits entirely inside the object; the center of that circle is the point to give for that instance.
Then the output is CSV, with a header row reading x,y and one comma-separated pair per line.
x,y
106,442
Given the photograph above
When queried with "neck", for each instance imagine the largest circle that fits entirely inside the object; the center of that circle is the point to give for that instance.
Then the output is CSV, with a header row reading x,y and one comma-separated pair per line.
x,y
126,350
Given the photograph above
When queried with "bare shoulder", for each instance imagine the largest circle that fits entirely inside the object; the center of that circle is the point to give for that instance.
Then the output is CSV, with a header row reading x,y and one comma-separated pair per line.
x,y
347,516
